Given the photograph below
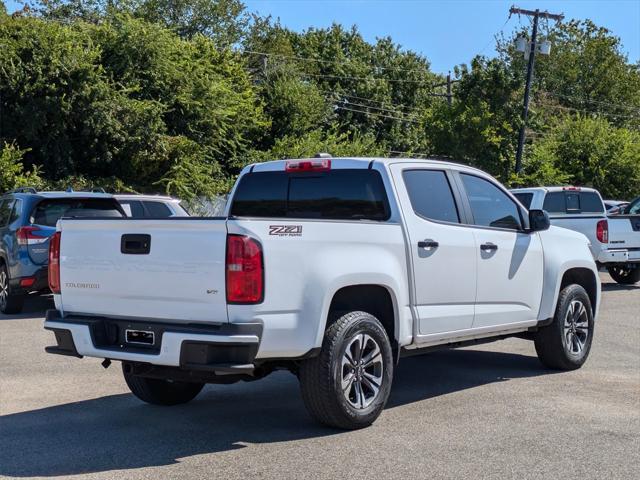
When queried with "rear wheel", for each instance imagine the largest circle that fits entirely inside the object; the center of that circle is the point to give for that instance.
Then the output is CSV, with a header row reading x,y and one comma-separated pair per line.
x,y
347,385
10,302
624,275
161,392
565,343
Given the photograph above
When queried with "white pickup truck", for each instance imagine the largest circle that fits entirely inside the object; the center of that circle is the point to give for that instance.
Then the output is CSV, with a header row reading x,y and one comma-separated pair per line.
x,y
614,239
330,268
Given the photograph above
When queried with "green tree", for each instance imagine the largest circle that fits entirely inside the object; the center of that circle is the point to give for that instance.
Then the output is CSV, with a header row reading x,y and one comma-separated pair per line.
x,y
12,172
225,21
481,126
375,88
320,141
591,152
587,71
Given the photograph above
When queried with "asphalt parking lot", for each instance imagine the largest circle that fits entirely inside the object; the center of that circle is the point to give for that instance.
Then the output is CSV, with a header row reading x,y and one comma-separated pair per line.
x,y
482,412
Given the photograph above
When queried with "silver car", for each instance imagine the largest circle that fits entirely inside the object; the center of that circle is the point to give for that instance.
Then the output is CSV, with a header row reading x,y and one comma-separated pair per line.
x,y
151,206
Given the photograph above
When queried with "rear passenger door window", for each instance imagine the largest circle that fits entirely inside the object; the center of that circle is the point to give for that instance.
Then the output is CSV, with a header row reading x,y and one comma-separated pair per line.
x,y
525,199
133,208
554,203
157,210
490,206
15,212
5,211
431,195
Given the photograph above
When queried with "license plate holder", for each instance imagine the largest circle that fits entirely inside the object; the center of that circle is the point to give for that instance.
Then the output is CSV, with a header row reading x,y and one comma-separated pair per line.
x,y
140,337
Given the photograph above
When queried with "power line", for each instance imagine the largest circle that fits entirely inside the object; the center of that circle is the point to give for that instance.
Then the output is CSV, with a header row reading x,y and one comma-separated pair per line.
x,y
349,77
493,38
594,102
403,115
331,62
352,77
376,114
588,112
398,107
379,102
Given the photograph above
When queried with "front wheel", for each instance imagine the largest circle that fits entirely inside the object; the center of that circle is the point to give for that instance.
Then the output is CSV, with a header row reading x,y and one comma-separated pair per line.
x,y
625,275
565,343
347,385
161,392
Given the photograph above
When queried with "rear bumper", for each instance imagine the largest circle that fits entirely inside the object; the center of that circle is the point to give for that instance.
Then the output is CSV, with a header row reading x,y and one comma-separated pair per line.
x,y
41,282
619,256
211,348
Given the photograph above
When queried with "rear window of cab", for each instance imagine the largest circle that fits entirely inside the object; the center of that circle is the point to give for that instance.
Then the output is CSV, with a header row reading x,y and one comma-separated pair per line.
x,y
340,194
573,202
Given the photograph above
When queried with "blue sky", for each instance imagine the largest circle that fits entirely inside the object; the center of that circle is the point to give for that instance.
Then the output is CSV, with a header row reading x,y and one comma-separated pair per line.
x,y
446,32
449,32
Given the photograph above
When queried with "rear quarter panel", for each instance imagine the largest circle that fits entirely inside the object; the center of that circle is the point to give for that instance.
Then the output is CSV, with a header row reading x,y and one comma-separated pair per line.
x,y
305,267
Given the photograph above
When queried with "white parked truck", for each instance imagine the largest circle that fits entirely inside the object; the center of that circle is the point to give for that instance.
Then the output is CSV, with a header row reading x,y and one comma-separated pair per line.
x,y
330,268
614,239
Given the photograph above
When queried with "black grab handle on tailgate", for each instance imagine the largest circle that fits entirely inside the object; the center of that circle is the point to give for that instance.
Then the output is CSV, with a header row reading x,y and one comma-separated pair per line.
x,y
135,244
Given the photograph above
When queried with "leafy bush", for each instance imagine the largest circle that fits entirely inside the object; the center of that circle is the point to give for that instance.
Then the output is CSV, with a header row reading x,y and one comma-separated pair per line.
x,y
589,152
12,172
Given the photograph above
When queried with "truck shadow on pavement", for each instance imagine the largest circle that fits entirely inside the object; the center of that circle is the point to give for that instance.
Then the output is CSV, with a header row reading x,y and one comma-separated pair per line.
x,y
119,432
616,287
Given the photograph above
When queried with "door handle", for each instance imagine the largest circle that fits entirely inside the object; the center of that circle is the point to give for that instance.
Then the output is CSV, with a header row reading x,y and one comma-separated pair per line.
x,y
428,244
489,247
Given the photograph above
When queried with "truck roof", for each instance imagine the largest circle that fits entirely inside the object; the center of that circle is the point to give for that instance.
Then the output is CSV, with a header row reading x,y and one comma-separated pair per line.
x,y
142,196
55,195
553,189
360,162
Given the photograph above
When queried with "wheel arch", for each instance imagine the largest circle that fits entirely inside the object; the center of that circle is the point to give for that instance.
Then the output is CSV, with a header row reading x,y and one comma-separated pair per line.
x,y
587,280
376,299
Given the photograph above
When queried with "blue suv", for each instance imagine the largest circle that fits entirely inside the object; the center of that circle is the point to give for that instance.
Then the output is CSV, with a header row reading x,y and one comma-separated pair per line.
x,y
27,220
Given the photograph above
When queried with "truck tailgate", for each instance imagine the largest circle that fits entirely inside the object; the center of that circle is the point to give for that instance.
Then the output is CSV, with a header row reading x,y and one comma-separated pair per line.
x,y
107,268
624,231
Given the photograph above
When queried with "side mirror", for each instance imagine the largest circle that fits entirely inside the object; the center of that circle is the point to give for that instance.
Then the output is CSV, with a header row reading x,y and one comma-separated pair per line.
x,y
538,221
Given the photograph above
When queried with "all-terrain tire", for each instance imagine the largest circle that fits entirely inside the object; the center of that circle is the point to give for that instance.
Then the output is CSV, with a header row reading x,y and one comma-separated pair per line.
x,y
625,275
565,343
322,378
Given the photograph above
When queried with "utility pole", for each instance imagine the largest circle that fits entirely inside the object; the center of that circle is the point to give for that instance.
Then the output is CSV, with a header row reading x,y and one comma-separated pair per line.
x,y
449,88
537,14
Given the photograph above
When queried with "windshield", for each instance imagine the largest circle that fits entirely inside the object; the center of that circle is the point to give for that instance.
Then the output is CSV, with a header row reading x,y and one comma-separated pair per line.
x,y
633,208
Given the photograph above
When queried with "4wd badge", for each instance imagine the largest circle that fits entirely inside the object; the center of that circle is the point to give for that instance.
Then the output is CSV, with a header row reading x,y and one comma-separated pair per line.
x,y
285,230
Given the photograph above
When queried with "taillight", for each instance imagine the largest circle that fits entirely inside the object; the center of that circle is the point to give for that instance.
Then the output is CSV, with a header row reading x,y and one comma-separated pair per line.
x,y
311,165
26,236
54,263
602,231
245,270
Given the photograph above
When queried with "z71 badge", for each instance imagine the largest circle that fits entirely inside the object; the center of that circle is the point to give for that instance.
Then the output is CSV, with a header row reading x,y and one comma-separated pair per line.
x,y
285,230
